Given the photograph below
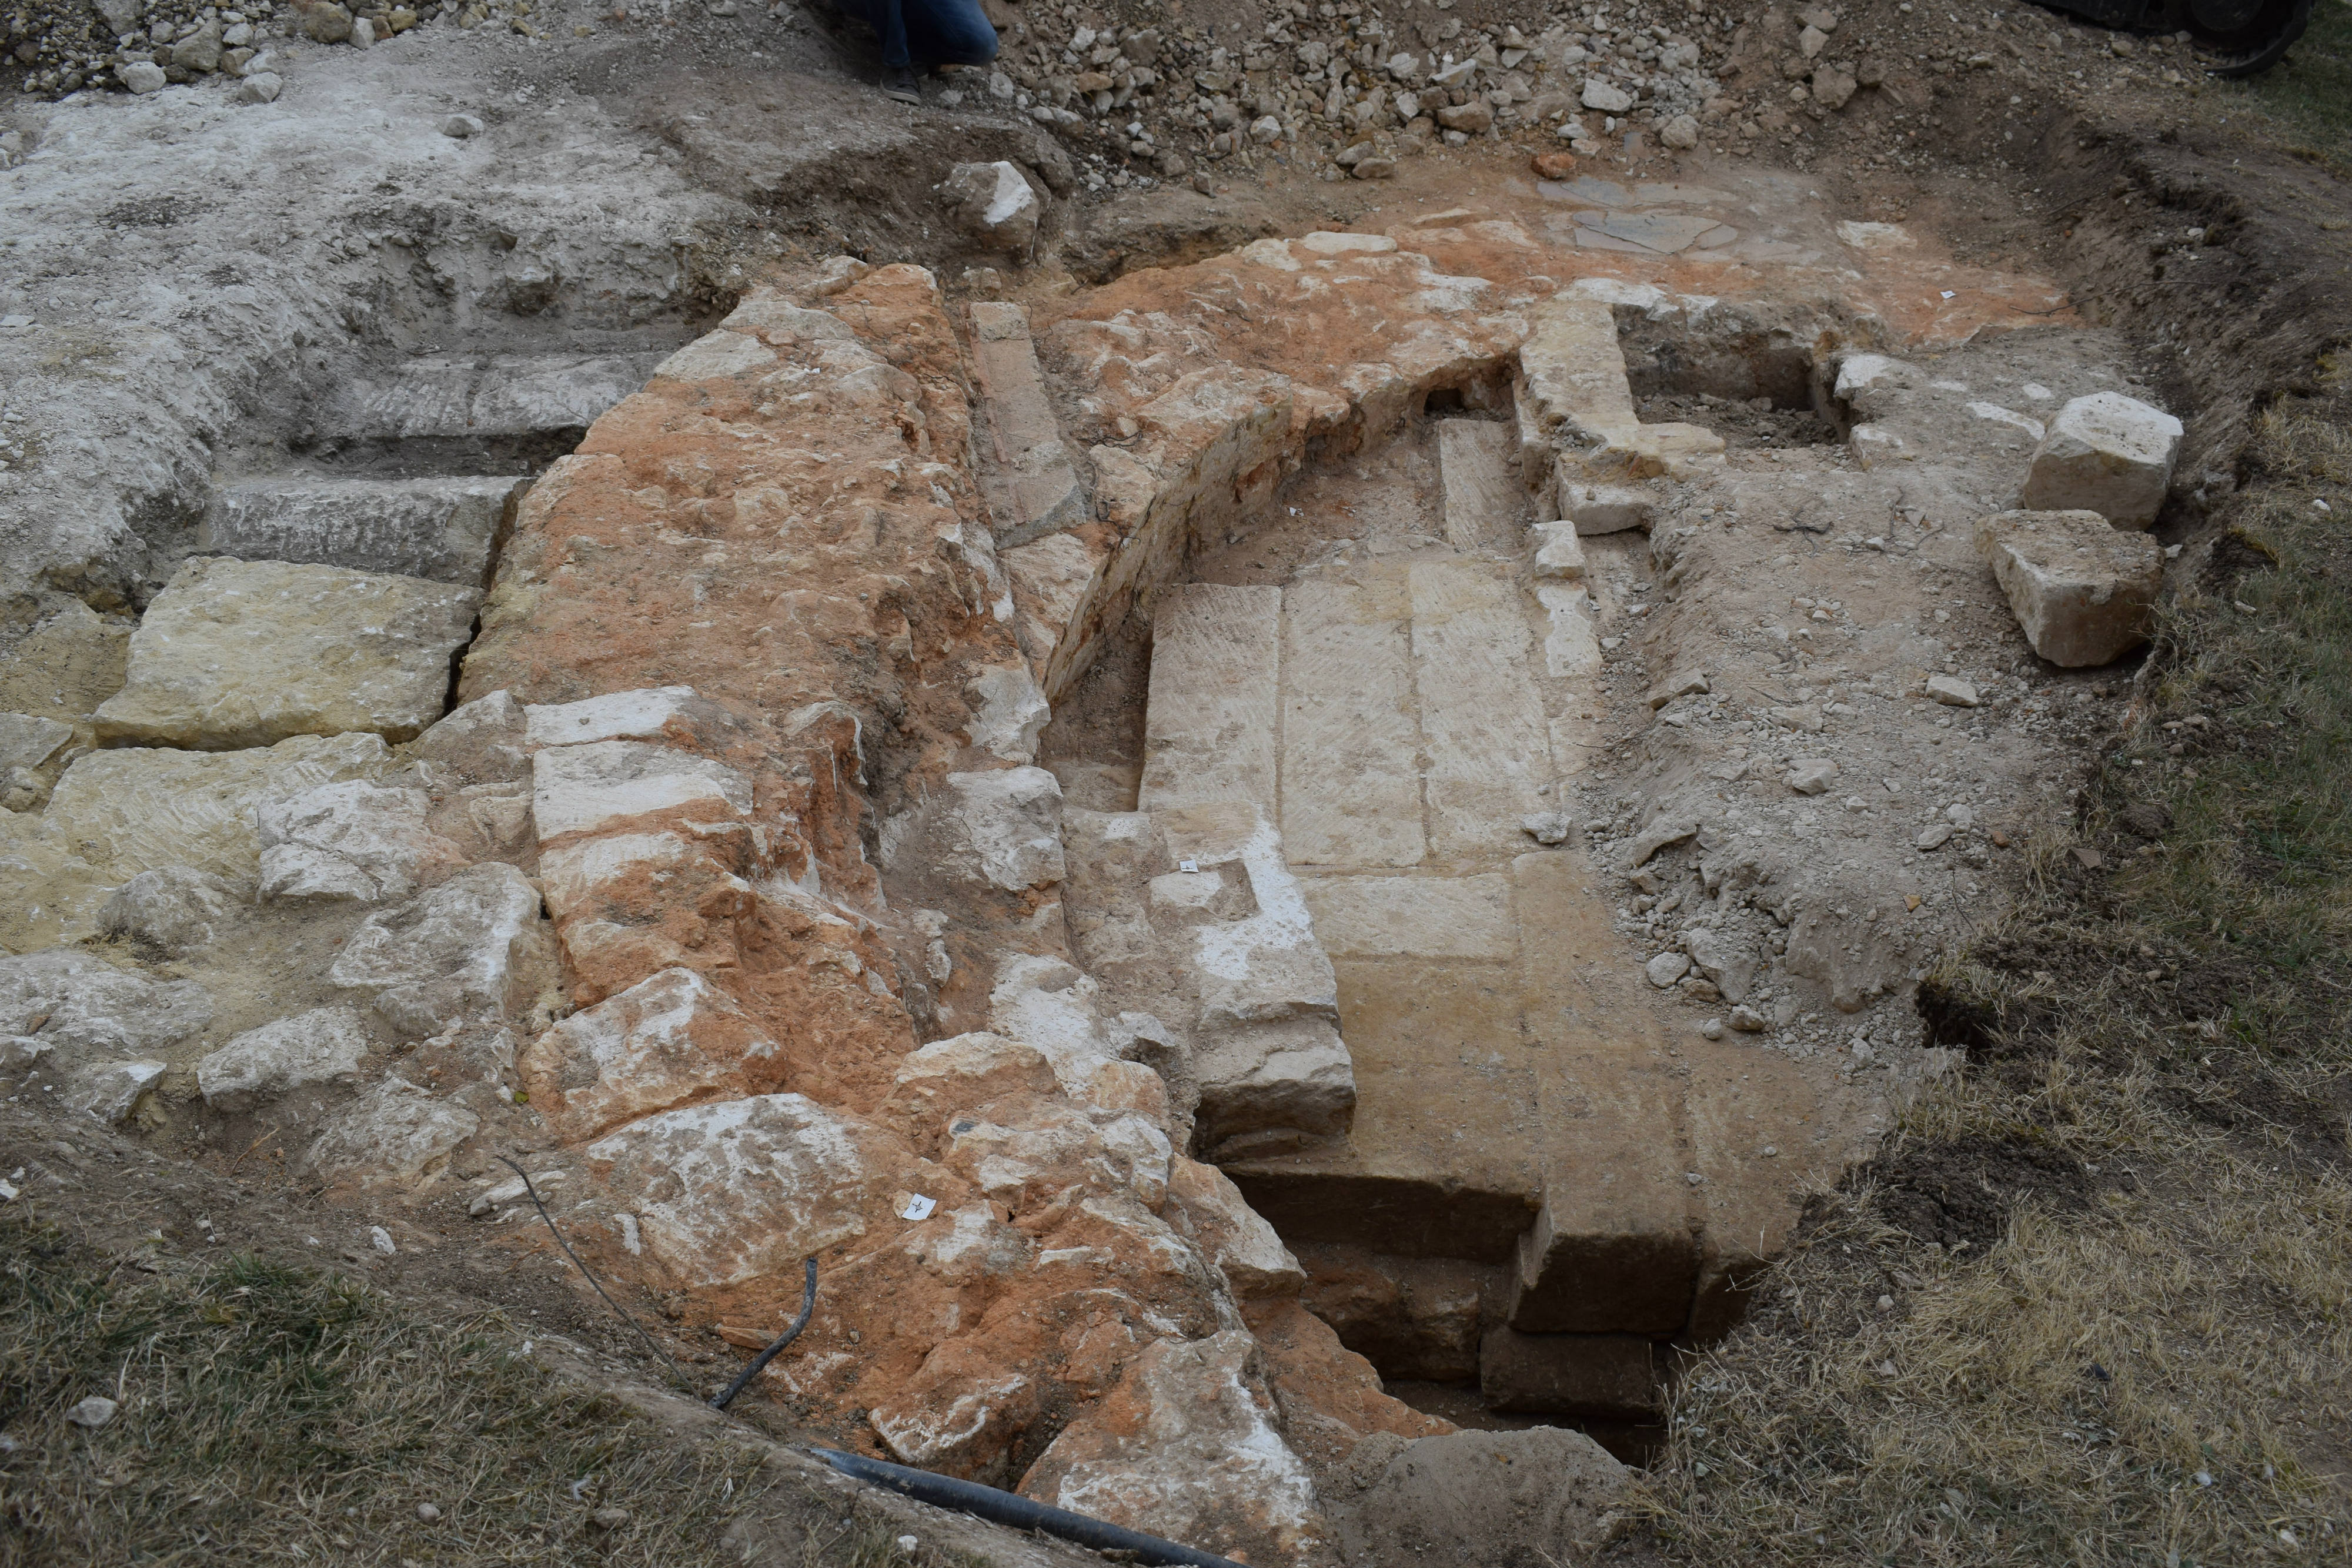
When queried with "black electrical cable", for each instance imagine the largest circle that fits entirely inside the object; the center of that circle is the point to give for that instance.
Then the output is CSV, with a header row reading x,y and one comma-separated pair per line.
x,y
653,1343
808,1305
1012,1508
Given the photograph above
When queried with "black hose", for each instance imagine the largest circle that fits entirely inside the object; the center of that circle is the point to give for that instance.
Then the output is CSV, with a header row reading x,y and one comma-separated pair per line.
x,y
808,1305
1012,1508
651,1343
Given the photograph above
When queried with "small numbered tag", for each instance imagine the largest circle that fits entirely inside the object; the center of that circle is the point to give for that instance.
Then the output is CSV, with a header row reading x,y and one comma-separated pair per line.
x,y
1188,865
919,1207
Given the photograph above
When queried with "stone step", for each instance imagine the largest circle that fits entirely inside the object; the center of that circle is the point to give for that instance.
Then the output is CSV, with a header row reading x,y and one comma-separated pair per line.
x,y
1483,727
440,528
1576,407
1351,733
1024,469
1210,720
503,395
1482,497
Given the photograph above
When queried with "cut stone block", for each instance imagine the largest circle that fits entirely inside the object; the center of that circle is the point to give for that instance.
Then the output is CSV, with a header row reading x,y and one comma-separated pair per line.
x,y
1351,739
1557,554
656,713
137,808
2083,592
1572,648
1602,1376
1482,496
1415,916
508,396
1605,509
1210,722
1007,828
2106,453
1575,402
589,789
323,1046
244,654
488,740
1482,721
439,528
1033,490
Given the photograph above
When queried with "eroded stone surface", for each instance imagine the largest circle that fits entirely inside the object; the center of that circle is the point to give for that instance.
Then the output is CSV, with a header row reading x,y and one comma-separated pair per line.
x,y
353,841
243,654
664,1042
2106,453
325,1045
435,528
474,943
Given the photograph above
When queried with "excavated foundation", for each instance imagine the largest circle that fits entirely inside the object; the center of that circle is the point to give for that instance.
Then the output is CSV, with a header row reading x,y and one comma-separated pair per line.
x,y
1273,857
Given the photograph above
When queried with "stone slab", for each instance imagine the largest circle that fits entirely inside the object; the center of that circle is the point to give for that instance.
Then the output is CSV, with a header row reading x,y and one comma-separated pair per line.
x,y
504,396
237,653
1442,1158
441,528
1209,721
1482,721
1483,498
137,808
1025,470
1350,737
1612,1251
1414,916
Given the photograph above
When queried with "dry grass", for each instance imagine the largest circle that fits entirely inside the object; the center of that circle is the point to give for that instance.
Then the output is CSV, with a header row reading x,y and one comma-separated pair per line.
x,y
2159,1372
272,1414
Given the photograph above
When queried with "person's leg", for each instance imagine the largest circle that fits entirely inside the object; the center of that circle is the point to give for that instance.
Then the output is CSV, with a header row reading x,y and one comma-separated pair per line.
x,y
888,20
949,32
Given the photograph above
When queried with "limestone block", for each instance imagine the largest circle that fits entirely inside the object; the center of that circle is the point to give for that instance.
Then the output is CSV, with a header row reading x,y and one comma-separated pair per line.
x,y
1483,732
1574,401
1571,647
653,713
994,205
738,1189
664,1042
352,841
1601,1375
1350,737
1208,1207
441,528
50,894
325,1045
1210,723
1007,828
110,1091
1268,1084
1605,509
138,808
175,908
596,787
27,741
964,1073
1051,1006
1482,495
1008,714
1558,554
1186,1448
486,739
627,905
1032,489
1486,1500
396,1135
76,1004
2083,592
472,945
2106,453
243,654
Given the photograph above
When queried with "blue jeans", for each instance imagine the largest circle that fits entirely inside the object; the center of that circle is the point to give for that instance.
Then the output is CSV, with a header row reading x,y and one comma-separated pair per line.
x,y
937,32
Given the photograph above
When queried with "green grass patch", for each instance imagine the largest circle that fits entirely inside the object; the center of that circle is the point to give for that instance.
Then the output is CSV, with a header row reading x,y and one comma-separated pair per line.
x,y
2309,92
274,1414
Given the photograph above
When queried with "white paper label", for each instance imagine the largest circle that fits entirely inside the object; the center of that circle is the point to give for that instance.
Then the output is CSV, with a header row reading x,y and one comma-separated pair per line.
x,y
919,1207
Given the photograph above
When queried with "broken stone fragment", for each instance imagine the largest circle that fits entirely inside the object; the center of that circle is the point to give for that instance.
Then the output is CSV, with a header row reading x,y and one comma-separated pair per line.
x,y
395,1135
175,909
1680,132
1728,964
237,653
72,1002
1008,827
1608,100
325,1045
1187,1448
1666,968
2083,592
1657,836
2106,453
1804,717
353,841
1232,1234
1605,508
1687,683
1951,691
993,203
1548,827
1558,554
487,740
474,943
1811,775
1832,88
1008,714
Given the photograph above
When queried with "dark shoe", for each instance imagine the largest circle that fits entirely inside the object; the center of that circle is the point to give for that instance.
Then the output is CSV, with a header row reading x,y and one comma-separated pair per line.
x,y
899,83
